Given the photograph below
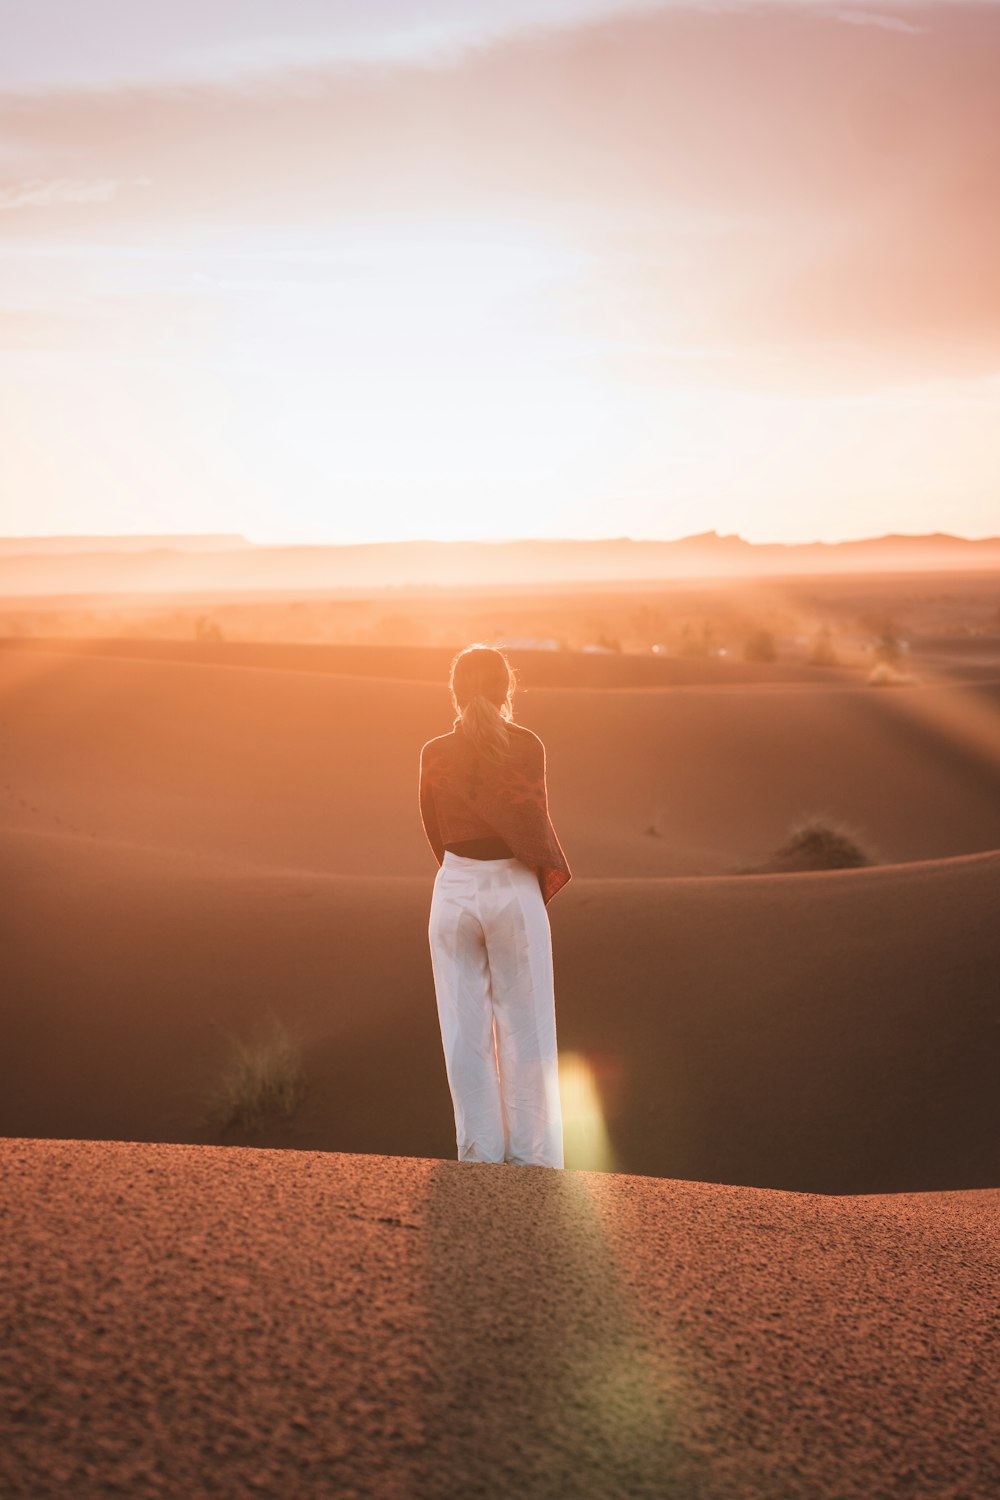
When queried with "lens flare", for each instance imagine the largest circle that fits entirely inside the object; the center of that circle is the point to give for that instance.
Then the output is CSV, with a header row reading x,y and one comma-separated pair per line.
x,y
586,1142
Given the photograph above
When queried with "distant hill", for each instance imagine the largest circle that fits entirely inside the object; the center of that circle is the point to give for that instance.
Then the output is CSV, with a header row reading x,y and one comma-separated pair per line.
x,y
81,565
208,541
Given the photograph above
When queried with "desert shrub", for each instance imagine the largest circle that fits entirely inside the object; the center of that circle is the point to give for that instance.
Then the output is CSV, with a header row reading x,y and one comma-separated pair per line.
x,y
262,1079
888,647
820,843
207,629
701,642
821,649
648,624
759,646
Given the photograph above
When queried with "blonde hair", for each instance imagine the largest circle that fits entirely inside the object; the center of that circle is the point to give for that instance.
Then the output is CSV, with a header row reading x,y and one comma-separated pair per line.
x,y
482,686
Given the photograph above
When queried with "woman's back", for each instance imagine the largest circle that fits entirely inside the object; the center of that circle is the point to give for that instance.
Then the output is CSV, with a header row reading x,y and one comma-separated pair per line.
x,y
467,795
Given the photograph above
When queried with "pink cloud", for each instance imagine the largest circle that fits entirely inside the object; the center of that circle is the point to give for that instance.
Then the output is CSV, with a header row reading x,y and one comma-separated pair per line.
x,y
766,177
40,192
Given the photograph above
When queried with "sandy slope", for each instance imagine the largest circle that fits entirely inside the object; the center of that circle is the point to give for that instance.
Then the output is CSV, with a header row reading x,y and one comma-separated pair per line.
x,y
191,845
833,1032
189,1321
311,770
185,846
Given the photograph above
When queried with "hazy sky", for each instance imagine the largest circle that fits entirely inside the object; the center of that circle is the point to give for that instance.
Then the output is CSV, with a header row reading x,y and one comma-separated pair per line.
x,y
318,270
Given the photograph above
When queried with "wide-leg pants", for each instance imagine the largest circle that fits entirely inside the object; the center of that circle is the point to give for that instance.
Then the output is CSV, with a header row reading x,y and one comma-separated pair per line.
x,y
491,956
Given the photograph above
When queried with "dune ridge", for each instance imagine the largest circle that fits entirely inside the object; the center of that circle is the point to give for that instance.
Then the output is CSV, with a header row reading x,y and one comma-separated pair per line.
x,y
830,1032
319,770
194,846
197,845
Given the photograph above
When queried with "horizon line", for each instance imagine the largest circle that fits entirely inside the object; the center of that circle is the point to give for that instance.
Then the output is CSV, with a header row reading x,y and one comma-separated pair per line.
x,y
710,536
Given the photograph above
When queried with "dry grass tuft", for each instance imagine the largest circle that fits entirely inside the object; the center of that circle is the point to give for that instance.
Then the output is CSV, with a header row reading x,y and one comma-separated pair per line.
x,y
820,843
263,1079
817,842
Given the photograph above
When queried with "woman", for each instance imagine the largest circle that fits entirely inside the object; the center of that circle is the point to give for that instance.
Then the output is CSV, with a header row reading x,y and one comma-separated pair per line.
x,y
484,807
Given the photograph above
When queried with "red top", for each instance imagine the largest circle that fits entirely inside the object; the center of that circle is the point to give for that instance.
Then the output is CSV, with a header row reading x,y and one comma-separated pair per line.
x,y
464,795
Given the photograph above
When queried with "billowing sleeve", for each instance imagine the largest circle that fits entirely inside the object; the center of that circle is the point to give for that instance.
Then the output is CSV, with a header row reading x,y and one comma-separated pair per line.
x,y
538,773
428,813
551,868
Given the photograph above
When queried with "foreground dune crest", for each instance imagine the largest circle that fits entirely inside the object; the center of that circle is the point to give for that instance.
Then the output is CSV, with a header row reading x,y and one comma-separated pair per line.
x,y
192,1319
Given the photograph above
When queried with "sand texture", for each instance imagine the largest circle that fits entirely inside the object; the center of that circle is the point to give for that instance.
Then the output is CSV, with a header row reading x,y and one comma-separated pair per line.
x,y
190,1320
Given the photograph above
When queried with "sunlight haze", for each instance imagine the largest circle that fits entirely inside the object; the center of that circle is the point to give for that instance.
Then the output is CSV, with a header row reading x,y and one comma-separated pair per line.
x,y
345,273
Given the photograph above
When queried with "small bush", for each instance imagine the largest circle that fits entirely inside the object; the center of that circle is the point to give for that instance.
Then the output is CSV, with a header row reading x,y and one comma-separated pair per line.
x,y
759,646
698,643
823,844
821,649
262,1080
889,647
207,629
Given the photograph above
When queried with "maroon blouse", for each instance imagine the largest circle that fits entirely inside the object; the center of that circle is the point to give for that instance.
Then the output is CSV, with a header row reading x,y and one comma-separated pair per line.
x,y
464,795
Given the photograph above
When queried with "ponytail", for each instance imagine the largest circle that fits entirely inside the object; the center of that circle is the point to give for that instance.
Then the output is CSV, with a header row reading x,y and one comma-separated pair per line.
x,y
482,690
485,727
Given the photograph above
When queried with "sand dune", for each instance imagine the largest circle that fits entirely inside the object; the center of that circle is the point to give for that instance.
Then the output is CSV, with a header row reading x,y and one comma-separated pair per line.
x,y
314,770
831,1032
191,846
192,1321
534,668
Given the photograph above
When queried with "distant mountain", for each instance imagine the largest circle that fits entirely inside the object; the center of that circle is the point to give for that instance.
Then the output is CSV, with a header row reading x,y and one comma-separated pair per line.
x,y
89,565
222,541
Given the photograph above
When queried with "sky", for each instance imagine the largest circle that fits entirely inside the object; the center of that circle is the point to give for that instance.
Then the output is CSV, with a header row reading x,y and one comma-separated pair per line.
x,y
312,270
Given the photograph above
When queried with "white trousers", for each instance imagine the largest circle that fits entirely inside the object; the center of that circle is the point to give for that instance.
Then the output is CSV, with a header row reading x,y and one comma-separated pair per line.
x,y
491,956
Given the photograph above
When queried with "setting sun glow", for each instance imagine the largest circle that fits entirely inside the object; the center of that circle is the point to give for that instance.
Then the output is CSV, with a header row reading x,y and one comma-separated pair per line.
x,y
349,279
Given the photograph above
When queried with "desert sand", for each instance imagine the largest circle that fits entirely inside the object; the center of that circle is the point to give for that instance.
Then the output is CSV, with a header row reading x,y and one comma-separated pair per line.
x,y
783,1280
193,846
195,1321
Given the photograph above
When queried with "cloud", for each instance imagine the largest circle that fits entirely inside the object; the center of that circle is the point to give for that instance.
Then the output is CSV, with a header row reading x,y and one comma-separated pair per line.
x,y
871,18
110,43
752,177
41,192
